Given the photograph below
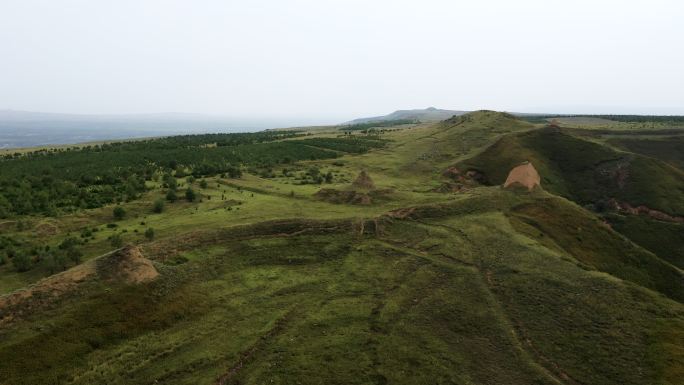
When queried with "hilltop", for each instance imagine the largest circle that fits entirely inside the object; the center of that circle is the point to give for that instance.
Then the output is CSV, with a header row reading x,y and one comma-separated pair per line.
x,y
347,257
430,114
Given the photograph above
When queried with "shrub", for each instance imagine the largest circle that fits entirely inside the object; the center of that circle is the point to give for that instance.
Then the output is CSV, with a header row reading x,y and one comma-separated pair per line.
x,y
119,212
21,262
56,262
190,195
69,242
74,255
116,240
149,233
158,206
171,196
170,182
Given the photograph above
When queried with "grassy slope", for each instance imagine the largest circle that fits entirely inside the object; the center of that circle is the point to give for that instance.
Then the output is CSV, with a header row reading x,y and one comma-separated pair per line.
x,y
668,149
463,290
451,295
662,238
593,243
584,171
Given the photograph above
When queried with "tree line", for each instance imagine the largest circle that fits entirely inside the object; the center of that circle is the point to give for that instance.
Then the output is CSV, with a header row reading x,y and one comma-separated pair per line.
x,y
49,182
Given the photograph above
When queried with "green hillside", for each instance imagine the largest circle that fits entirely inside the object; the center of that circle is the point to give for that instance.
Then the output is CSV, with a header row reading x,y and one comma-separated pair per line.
x,y
584,171
252,278
669,149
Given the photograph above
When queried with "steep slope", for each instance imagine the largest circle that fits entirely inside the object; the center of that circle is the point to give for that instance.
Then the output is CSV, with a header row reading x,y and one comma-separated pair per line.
x,y
585,172
665,239
669,149
563,225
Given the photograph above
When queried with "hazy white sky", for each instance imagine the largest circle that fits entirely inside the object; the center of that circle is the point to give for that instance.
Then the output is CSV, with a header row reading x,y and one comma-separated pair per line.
x,y
339,59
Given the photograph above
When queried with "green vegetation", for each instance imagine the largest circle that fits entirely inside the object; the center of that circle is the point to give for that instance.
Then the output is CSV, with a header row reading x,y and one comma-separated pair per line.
x,y
671,119
119,213
65,180
592,243
584,171
664,239
116,240
190,195
668,149
159,205
366,127
149,233
261,282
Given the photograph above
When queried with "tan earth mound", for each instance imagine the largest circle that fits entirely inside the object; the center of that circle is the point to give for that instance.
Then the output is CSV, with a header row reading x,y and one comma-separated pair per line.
x,y
127,265
524,175
363,181
46,229
47,288
340,196
124,265
361,192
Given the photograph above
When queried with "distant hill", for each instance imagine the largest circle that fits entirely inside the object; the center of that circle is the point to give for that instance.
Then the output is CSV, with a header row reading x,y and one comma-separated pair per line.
x,y
430,114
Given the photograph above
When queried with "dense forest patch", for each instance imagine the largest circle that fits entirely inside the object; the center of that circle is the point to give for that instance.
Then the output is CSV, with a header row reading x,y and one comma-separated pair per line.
x,y
52,181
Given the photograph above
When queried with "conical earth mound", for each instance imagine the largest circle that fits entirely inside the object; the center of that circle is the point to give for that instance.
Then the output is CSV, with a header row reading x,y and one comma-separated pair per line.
x,y
363,181
524,175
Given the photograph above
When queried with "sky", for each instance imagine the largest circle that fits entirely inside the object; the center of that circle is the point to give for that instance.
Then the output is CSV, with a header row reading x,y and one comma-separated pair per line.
x,y
334,60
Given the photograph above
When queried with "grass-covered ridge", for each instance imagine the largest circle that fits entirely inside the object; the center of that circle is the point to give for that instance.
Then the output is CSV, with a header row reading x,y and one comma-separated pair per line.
x,y
584,171
396,300
260,281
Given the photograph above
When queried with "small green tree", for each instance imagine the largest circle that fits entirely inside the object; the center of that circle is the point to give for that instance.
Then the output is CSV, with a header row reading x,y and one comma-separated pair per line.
x,y
190,195
170,182
314,172
68,243
171,196
234,172
69,250
119,213
328,177
149,233
203,183
158,206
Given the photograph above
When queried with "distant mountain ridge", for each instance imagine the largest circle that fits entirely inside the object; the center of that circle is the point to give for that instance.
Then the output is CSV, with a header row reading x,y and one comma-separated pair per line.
x,y
430,114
